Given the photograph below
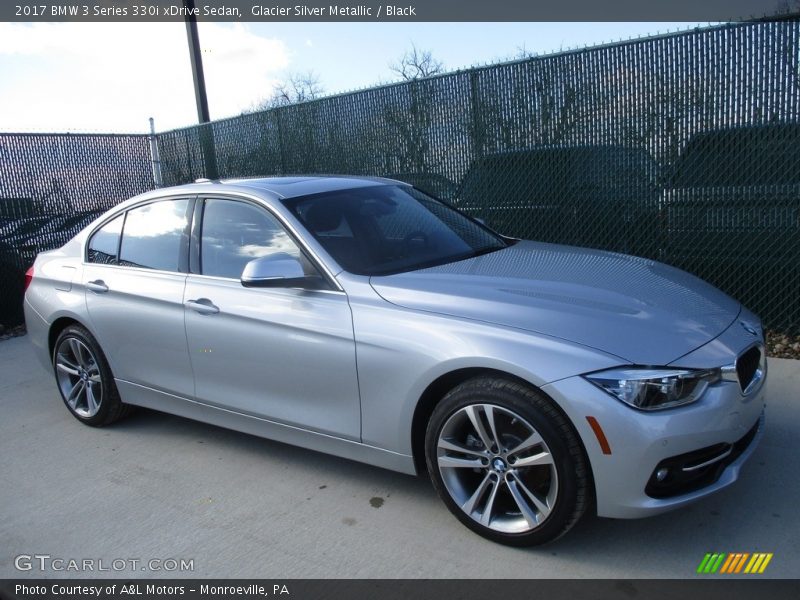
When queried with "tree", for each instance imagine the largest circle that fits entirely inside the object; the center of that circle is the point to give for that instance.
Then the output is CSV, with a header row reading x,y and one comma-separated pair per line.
x,y
416,64
787,8
286,138
298,87
409,113
534,101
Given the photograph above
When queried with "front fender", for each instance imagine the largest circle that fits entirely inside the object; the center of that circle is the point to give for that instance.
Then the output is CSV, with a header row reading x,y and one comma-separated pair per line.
x,y
401,352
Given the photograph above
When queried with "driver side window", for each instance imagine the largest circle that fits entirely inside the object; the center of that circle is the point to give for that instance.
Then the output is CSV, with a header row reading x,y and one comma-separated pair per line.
x,y
234,233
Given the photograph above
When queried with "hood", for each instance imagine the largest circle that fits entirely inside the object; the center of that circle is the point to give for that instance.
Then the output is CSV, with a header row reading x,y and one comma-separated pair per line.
x,y
640,310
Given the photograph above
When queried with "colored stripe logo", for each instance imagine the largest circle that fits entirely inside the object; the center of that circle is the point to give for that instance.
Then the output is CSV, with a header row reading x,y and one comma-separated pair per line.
x,y
735,562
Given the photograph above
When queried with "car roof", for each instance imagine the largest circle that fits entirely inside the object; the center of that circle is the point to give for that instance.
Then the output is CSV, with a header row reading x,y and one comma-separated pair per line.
x,y
273,188
288,187
748,134
546,152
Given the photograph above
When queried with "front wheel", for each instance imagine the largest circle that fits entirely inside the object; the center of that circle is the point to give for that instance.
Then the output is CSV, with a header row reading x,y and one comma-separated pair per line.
x,y
85,380
506,462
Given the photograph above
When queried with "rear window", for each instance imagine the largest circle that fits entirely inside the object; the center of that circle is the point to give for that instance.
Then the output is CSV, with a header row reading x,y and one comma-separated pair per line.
x,y
515,180
554,176
104,243
747,157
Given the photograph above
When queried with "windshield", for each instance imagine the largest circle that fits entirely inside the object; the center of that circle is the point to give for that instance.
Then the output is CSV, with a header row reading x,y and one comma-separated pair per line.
x,y
390,229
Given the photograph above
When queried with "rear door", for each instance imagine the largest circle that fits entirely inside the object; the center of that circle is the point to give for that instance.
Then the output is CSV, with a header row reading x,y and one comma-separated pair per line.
x,y
134,278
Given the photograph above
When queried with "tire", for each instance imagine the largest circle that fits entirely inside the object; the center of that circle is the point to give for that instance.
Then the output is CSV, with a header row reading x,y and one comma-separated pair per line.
x,y
84,379
529,489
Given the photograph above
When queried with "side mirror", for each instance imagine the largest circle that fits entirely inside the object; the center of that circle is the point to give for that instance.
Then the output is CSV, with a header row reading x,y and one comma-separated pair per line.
x,y
278,270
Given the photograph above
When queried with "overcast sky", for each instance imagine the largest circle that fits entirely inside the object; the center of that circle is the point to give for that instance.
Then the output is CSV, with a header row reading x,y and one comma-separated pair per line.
x,y
91,77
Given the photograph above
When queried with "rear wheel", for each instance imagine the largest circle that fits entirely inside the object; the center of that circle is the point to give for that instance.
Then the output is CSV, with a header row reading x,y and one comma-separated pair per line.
x,y
84,379
506,462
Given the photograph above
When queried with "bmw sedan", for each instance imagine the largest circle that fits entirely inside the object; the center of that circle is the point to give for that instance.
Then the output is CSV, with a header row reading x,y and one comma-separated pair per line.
x,y
360,317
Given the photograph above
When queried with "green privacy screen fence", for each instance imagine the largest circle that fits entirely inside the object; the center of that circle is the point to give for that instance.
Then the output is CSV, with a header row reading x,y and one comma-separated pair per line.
x,y
51,186
683,148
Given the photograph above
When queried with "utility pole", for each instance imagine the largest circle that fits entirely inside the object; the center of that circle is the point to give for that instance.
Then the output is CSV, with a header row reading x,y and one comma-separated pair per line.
x,y
205,130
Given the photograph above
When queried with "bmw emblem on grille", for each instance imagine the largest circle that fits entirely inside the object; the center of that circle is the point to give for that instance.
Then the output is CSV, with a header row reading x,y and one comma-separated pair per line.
x,y
748,328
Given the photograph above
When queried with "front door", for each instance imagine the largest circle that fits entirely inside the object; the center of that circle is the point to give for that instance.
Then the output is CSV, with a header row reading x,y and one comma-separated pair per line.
x,y
286,355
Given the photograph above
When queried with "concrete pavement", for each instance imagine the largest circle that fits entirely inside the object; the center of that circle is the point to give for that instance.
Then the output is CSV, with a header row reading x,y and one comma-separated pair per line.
x,y
157,487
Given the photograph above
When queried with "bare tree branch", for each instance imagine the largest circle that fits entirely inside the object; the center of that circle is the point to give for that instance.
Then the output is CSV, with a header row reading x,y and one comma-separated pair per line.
x,y
416,64
299,87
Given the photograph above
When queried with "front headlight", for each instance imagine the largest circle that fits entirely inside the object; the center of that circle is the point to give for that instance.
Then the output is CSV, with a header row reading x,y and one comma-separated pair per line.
x,y
654,389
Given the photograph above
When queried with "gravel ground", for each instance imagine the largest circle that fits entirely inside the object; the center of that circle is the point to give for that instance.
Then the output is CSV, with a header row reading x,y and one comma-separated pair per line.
x,y
783,345
779,345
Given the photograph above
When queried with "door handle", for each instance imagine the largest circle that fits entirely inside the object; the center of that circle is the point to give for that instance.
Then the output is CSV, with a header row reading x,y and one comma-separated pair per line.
x,y
98,286
204,306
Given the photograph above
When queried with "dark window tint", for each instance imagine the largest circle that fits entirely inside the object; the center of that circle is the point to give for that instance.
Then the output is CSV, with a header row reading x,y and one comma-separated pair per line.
x,y
550,178
234,233
389,229
515,180
740,157
104,243
153,235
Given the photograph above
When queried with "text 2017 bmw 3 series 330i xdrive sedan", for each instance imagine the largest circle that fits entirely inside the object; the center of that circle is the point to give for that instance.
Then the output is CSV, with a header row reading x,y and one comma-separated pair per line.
x,y
363,318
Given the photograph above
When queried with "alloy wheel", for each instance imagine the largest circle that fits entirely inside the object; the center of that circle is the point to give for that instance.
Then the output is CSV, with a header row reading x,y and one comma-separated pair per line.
x,y
78,376
497,468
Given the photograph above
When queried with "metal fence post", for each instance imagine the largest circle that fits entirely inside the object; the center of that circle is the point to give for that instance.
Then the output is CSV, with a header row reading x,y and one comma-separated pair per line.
x,y
155,157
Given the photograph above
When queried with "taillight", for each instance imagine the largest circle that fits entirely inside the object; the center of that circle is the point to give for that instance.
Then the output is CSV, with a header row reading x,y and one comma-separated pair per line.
x,y
28,277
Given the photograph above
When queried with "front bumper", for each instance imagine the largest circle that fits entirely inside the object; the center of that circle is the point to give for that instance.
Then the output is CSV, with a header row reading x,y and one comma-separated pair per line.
x,y
684,437
699,469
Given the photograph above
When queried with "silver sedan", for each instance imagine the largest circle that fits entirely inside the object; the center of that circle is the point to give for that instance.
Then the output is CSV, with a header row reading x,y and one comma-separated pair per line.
x,y
362,318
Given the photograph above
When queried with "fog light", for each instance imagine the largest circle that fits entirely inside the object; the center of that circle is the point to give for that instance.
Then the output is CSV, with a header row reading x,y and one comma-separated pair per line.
x,y
661,474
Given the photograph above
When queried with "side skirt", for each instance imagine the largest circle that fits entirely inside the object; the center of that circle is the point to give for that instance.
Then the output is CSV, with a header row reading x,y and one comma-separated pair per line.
x,y
191,409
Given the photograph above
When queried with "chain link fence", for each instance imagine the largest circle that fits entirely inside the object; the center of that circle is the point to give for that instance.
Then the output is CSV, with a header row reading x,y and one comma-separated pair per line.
x,y
53,185
684,148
